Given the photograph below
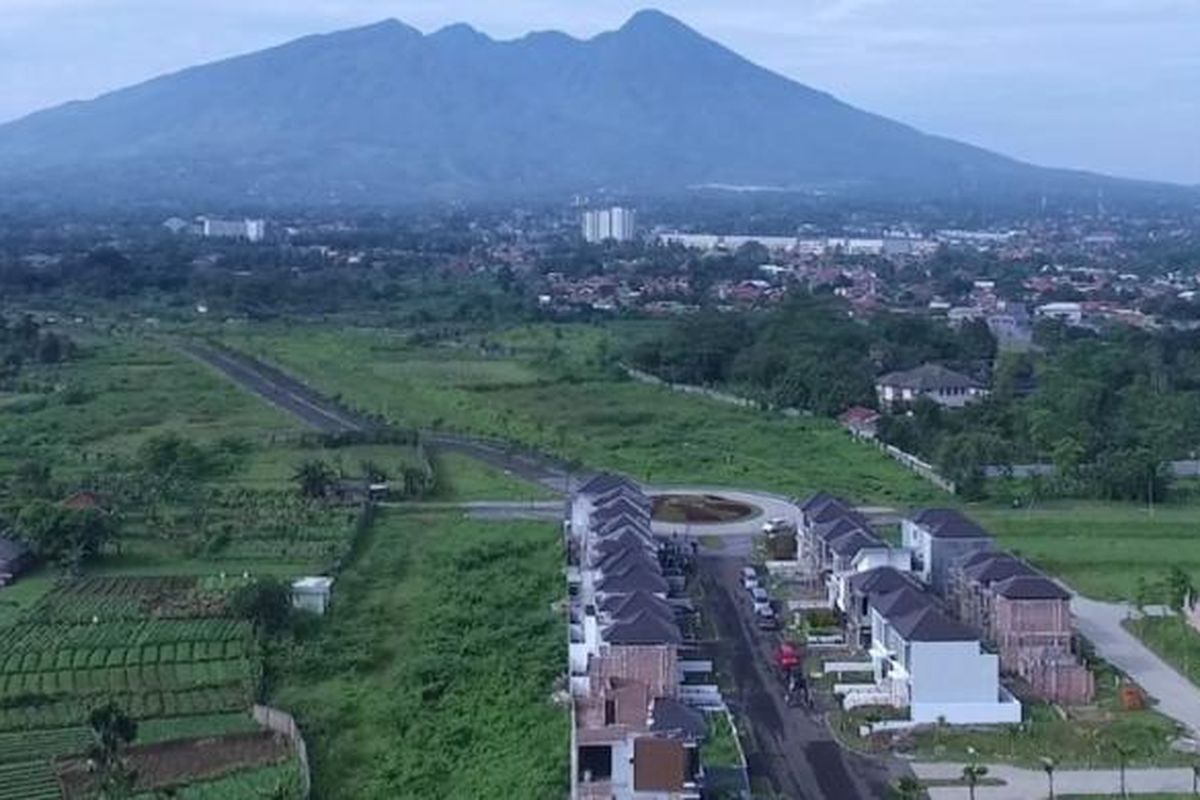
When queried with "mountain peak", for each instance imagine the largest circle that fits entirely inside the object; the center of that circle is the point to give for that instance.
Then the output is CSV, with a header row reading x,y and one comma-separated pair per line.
x,y
651,20
460,32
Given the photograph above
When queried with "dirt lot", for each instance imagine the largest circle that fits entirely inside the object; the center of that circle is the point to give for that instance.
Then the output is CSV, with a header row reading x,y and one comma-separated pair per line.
x,y
698,509
183,761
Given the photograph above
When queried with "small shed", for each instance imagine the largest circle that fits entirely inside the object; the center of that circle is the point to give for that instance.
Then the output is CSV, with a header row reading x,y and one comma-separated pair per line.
x,y
312,594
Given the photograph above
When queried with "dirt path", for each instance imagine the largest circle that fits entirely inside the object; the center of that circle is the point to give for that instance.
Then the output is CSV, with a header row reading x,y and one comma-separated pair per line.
x,y
789,748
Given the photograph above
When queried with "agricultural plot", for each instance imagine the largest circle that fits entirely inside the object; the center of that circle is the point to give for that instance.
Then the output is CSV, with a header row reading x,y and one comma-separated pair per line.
x,y
32,780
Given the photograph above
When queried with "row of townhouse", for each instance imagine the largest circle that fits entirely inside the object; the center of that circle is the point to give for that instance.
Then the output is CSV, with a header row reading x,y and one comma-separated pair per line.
x,y
931,611
633,735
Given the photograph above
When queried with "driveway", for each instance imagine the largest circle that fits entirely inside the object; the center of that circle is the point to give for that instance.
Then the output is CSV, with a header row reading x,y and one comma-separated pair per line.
x,y
789,749
1024,784
1100,623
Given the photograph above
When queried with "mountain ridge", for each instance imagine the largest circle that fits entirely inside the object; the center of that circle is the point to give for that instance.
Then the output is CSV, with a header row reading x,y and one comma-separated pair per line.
x,y
383,113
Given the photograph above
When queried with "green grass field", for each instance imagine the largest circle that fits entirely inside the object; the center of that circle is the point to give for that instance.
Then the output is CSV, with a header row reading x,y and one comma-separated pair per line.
x,y
464,479
432,676
1100,549
647,431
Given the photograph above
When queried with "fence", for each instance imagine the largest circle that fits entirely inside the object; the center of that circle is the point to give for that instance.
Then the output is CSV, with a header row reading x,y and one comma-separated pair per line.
x,y
283,723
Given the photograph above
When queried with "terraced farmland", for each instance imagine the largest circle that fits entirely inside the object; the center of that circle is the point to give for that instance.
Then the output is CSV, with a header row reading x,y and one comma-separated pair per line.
x,y
32,780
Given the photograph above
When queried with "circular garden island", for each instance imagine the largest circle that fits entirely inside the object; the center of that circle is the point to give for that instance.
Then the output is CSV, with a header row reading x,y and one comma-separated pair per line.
x,y
701,509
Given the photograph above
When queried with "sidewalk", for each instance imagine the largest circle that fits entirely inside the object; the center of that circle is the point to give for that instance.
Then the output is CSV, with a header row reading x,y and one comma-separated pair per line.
x,y
1100,623
1023,784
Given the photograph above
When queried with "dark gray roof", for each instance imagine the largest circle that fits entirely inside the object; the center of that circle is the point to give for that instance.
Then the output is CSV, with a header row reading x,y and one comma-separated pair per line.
x,y
930,625
1031,587
839,525
624,492
643,628
626,539
633,579
830,510
818,501
670,716
929,378
13,549
624,606
848,544
948,523
880,580
1000,566
622,560
619,507
619,524
604,483
899,602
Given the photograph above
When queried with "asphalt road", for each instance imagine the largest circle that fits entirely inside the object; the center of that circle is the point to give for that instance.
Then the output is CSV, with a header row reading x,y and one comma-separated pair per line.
x,y
277,388
789,748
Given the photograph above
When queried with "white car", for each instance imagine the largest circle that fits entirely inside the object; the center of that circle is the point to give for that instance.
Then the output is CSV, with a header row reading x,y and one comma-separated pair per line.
x,y
761,600
776,525
749,579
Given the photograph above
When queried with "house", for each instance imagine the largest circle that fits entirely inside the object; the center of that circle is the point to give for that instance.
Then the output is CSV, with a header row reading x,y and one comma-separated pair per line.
x,y
861,421
1032,631
312,594
15,559
939,538
634,734
943,386
927,662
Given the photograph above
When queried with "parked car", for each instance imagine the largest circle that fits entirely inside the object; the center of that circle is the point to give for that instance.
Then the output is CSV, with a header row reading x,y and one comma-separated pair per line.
x,y
760,598
765,619
749,579
777,525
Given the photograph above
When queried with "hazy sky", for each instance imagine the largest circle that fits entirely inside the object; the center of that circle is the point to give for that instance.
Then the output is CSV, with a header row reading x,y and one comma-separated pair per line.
x,y
1107,85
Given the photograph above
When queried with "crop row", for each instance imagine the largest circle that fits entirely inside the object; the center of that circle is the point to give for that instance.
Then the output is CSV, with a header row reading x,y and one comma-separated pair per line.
x,y
68,711
42,637
151,677
81,658
33,780
288,551
43,744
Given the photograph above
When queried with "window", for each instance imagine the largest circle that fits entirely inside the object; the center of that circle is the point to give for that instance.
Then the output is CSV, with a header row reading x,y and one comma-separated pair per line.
x,y
610,712
595,763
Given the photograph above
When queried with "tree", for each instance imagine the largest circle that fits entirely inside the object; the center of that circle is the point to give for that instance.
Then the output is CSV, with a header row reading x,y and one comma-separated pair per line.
x,y
972,773
1048,764
314,479
112,732
1179,588
267,602
909,788
69,536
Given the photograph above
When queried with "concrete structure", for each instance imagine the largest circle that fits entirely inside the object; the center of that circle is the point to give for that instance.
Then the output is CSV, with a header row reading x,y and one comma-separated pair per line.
x,y
1027,617
939,538
929,663
635,733
943,386
312,594
1070,313
252,230
609,224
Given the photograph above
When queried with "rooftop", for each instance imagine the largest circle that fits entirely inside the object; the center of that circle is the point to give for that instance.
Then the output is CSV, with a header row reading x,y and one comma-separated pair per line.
x,y
948,523
929,378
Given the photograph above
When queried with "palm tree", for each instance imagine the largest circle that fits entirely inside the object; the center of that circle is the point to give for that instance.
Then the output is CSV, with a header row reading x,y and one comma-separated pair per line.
x,y
971,774
1196,780
909,788
314,479
1048,764
1123,753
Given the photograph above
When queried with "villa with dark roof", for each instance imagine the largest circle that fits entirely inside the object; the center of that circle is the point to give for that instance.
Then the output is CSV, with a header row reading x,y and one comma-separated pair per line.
x,y
931,381
939,538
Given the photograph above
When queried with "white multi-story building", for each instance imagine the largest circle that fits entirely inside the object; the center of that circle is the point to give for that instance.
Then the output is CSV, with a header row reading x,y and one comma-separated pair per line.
x,y
609,224
253,230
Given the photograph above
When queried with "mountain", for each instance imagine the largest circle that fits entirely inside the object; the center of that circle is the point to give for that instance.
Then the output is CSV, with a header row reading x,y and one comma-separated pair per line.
x,y
384,114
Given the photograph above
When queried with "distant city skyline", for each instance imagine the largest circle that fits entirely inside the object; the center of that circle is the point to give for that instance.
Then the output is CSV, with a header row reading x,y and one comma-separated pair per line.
x,y
1102,85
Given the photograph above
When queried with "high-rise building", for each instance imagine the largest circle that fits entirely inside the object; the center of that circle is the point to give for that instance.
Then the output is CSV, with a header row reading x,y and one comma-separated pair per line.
x,y
616,224
254,230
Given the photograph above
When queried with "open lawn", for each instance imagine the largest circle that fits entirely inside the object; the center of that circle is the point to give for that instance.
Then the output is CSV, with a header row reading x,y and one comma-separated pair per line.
x,y
117,393
463,479
432,676
1174,640
1100,549
646,431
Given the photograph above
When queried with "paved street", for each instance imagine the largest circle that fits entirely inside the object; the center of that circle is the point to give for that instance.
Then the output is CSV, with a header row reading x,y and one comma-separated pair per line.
x,y
1022,784
1100,623
789,748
